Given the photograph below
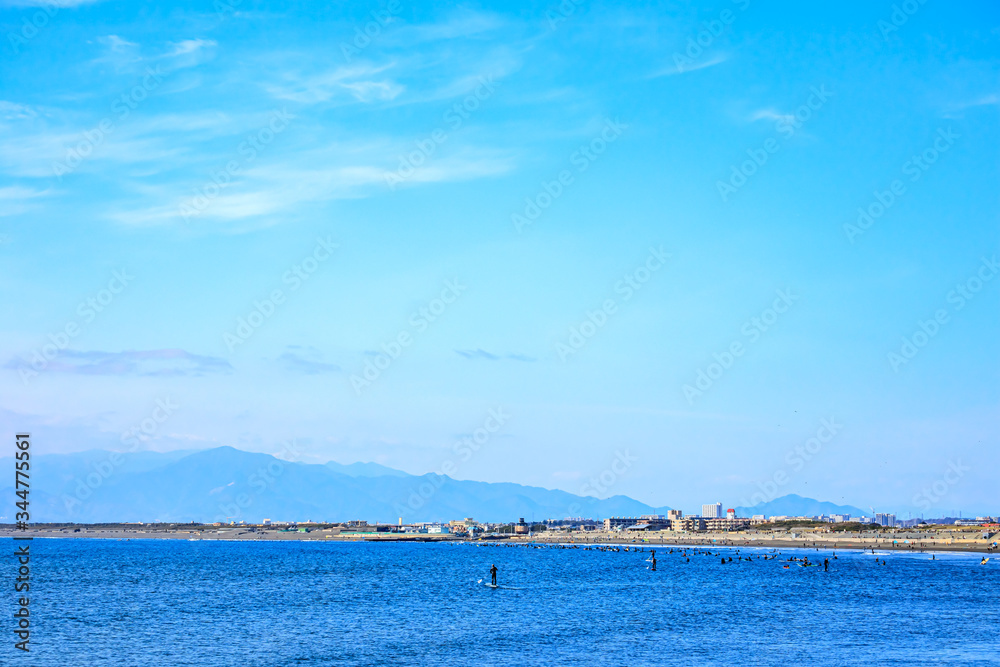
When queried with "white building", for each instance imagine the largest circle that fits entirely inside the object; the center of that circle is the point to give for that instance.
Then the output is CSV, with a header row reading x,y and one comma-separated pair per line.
x,y
712,511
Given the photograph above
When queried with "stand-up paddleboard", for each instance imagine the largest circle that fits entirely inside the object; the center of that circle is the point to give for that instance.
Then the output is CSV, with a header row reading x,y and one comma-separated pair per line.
x,y
488,585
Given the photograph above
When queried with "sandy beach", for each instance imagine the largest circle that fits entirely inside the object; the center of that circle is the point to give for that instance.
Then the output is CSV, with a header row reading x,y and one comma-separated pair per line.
x,y
933,540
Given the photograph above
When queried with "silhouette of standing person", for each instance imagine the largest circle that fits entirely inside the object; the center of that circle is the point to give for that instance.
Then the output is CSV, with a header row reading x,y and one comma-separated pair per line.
x,y
493,574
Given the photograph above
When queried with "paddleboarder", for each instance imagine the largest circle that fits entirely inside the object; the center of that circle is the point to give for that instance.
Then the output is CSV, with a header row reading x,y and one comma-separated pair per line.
x,y
493,574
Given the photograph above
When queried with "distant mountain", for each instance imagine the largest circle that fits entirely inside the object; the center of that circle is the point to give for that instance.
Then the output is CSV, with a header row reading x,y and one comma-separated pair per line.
x,y
365,470
794,505
228,484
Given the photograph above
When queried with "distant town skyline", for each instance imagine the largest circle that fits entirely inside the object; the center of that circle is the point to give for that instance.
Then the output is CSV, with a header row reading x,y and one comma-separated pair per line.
x,y
684,255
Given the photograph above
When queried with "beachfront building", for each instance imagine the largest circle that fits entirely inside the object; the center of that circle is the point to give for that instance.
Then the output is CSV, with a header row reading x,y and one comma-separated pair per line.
x,y
648,521
674,515
619,522
727,524
695,524
712,511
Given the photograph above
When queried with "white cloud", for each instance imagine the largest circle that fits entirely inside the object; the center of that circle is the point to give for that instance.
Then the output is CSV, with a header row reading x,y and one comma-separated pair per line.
x,y
14,111
772,114
355,82
17,199
694,67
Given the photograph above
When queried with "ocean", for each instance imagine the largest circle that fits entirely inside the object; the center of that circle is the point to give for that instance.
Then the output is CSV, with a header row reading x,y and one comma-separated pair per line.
x,y
165,602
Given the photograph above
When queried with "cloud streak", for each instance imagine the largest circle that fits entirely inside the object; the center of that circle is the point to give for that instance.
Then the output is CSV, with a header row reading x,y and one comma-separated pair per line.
x,y
144,363
480,353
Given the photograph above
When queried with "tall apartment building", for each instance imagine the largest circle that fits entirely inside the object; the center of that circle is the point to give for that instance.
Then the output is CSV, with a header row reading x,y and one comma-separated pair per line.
x,y
712,511
887,520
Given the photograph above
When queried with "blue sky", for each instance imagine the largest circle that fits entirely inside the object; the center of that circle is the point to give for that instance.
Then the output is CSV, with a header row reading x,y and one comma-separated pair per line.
x,y
592,204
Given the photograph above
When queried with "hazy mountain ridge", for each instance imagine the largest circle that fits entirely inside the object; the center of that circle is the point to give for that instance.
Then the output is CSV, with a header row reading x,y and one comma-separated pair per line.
x,y
224,484
795,505
228,484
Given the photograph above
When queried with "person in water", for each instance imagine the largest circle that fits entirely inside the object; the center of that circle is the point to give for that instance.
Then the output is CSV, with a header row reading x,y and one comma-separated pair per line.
x,y
653,564
826,564
493,574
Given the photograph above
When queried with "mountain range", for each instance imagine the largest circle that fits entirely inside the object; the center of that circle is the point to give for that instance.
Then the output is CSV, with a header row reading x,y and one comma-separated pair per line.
x,y
226,484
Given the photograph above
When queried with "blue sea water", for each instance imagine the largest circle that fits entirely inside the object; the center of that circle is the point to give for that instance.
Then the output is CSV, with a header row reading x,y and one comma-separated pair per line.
x,y
162,602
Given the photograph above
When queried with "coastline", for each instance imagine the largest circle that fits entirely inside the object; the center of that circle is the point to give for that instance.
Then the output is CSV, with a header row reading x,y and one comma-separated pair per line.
x,y
819,541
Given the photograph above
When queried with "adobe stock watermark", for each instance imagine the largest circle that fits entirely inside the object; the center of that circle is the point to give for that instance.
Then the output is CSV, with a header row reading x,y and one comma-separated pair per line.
x,y
959,297
600,484
933,494
144,431
371,30
752,330
248,149
259,482
901,13
915,167
463,449
630,283
454,118
88,310
31,26
796,459
121,108
265,308
559,14
419,321
786,126
581,158
710,31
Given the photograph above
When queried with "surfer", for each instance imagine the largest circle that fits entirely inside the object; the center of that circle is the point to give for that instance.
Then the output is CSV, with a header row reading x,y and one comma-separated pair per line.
x,y
826,564
653,564
493,574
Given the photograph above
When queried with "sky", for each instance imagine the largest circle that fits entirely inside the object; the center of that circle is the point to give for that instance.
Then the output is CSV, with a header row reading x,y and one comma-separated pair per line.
x,y
684,252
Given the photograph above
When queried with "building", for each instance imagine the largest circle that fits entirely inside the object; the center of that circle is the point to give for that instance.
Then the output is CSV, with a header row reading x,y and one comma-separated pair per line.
x,y
648,521
727,524
438,529
887,520
619,522
730,514
712,511
691,524
674,515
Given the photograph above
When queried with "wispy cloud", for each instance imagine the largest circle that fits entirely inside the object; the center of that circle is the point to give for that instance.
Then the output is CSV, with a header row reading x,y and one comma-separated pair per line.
x,y
157,363
480,353
694,67
16,199
359,83
14,111
306,360
771,115
954,111
461,25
